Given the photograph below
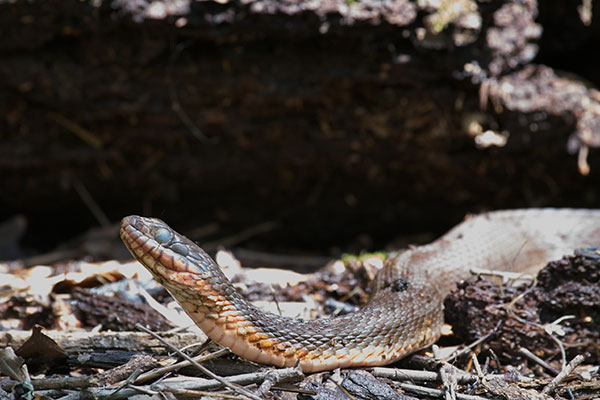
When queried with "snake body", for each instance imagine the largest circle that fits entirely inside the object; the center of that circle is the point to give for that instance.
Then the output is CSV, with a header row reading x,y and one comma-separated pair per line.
x,y
405,312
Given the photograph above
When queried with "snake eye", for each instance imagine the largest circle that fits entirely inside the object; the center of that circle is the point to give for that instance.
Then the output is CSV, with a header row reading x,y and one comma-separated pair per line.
x,y
162,235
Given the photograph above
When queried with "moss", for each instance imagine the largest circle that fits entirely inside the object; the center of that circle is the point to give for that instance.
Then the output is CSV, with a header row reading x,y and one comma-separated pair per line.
x,y
349,258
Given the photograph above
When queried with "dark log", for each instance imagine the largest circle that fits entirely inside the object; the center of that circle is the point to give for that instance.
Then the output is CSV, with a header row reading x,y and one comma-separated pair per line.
x,y
333,118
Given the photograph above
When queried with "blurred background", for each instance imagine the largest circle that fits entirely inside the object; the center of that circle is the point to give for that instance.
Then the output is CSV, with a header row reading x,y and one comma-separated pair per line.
x,y
303,128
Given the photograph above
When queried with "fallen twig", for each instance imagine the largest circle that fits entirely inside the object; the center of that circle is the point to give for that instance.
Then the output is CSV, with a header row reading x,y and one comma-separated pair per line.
x,y
202,368
275,376
464,350
425,391
566,371
417,375
446,375
538,360
163,370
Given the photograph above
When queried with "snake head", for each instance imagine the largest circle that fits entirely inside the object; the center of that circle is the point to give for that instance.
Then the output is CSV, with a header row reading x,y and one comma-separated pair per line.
x,y
167,254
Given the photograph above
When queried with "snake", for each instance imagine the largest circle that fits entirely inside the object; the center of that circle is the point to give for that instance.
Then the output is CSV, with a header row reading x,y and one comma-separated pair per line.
x,y
405,310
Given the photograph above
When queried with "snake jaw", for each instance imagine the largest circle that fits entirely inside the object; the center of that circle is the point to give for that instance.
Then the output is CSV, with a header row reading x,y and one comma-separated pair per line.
x,y
152,243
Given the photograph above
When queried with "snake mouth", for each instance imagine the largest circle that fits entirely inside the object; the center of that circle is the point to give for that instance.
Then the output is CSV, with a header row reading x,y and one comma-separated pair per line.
x,y
168,255
157,246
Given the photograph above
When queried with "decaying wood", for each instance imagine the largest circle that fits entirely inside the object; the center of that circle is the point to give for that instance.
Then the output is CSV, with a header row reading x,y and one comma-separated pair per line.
x,y
331,118
89,342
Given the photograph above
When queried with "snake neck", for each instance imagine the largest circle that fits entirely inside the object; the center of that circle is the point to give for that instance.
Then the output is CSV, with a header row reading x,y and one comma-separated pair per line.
x,y
401,317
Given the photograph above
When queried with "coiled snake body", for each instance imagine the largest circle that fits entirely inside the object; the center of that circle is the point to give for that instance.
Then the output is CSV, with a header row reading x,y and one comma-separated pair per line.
x,y
405,312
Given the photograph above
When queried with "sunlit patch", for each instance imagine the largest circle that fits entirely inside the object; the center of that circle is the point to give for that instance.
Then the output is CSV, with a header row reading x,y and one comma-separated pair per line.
x,y
266,343
446,330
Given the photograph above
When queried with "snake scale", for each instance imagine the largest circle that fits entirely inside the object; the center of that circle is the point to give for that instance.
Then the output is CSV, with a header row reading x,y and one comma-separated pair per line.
x,y
405,311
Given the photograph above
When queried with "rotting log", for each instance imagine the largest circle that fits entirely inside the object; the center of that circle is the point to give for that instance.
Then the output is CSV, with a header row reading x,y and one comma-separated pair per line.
x,y
332,118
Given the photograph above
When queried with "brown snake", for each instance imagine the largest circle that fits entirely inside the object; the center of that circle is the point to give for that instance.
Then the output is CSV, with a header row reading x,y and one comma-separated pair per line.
x,y
405,312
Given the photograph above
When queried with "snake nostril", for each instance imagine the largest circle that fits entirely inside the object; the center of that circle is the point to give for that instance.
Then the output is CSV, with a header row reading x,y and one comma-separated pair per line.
x,y
163,235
